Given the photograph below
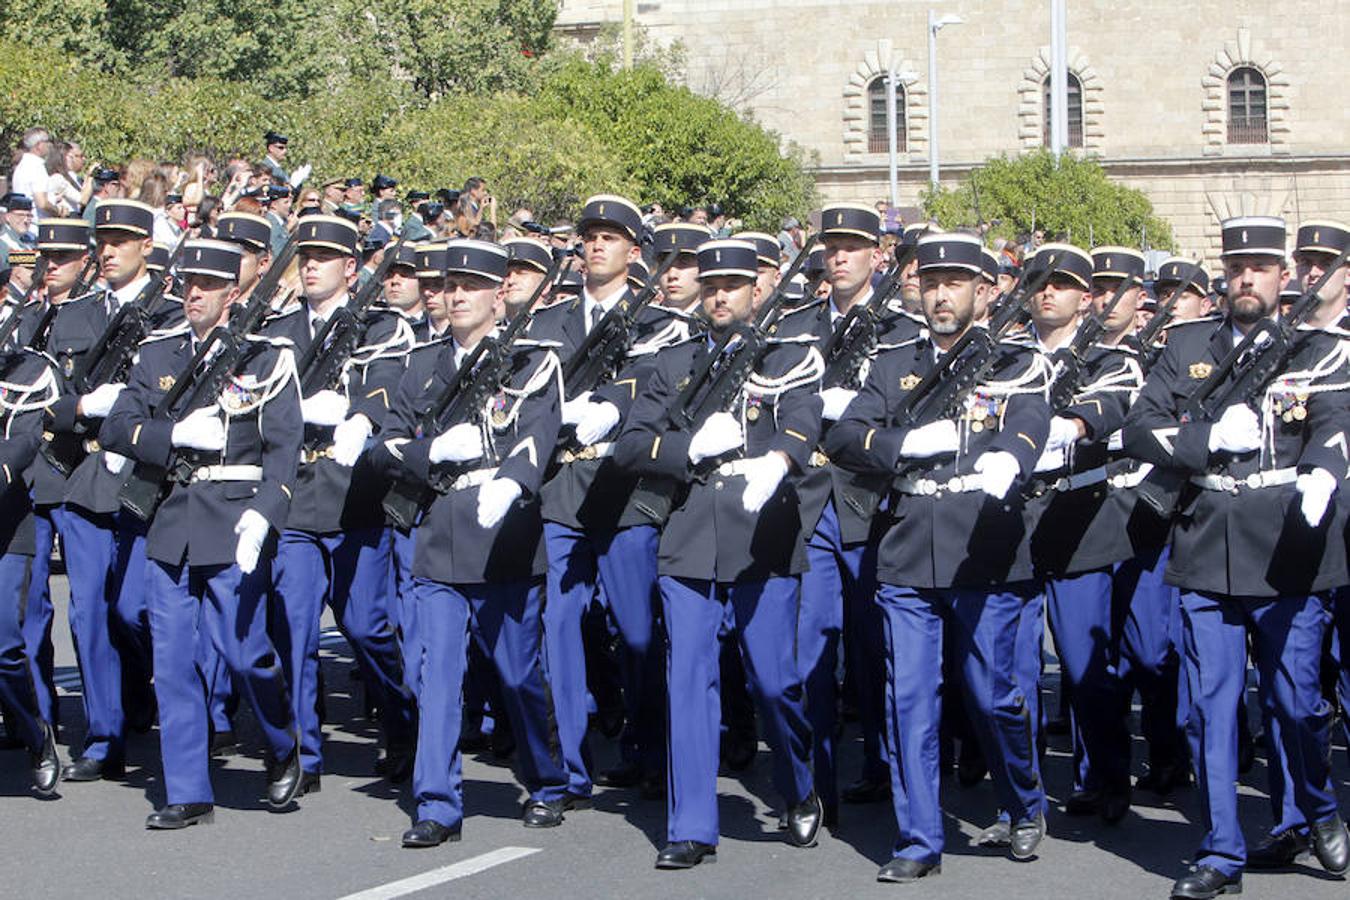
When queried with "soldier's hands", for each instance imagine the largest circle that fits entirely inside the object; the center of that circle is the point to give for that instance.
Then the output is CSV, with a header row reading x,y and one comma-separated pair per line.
x,y
1000,470
762,477
202,429
114,462
1237,431
596,421
574,410
252,532
461,443
494,499
933,439
349,439
1315,488
836,400
324,408
99,402
1064,432
722,432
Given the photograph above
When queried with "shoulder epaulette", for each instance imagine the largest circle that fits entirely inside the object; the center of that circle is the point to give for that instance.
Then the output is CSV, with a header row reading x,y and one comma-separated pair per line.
x,y
1210,319
156,336
535,344
275,341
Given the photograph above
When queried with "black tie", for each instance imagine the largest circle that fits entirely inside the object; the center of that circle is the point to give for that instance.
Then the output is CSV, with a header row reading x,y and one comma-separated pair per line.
x,y
596,313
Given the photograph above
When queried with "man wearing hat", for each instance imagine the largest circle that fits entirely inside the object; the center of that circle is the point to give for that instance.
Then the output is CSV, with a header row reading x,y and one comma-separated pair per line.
x,y
253,235
242,447
278,215
953,553
402,293
1194,301
1260,544
680,286
487,473
20,266
415,228
335,548
14,227
731,550
334,195
107,186
766,251
275,155
353,193
384,188
1316,246
529,262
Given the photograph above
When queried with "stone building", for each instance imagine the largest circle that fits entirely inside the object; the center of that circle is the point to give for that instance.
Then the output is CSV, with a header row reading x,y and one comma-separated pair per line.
x,y
1211,107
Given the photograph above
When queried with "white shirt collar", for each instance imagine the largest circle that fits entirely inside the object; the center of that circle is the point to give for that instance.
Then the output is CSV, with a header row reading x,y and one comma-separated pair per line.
x,y
128,292
589,302
861,300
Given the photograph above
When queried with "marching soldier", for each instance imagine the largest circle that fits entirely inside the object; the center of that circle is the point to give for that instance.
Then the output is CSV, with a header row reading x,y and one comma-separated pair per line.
x,y
733,539
401,292
954,547
479,562
1253,552
232,461
530,261
253,235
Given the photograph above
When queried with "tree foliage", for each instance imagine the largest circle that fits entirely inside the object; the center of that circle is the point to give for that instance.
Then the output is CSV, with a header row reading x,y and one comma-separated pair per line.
x,y
1072,198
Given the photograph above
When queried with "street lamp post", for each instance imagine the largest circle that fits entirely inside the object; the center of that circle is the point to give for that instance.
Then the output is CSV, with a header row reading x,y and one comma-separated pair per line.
x,y
890,134
935,24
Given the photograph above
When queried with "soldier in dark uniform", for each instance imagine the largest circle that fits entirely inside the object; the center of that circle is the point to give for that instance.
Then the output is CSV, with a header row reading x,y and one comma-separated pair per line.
x,y
253,234
954,547
240,450
401,292
484,523
1254,549
335,548
734,537
530,261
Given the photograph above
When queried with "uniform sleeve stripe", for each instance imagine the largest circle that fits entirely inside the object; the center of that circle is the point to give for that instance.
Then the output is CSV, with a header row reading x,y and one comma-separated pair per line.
x,y
632,387
656,446
867,441
1028,440
797,434
136,434
287,491
9,478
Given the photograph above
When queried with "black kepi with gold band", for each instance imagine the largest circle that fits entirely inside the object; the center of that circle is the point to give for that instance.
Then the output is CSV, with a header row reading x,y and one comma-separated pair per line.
x,y
325,232
951,251
1170,272
638,273
990,260
1071,262
253,232
1254,236
405,256
125,215
157,259
728,257
1322,236
529,252
205,256
430,260
855,219
766,246
471,257
55,235
1111,262
614,211
679,237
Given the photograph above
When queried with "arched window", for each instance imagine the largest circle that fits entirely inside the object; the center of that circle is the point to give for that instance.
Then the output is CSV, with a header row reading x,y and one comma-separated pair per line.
x,y
1247,107
1075,92
876,117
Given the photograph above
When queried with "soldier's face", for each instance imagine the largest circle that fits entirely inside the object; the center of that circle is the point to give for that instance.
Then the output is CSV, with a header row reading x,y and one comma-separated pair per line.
x,y
727,299
911,296
521,280
121,256
1058,302
63,268
768,279
949,298
251,267
325,273
400,288
1310,265
1005,282
849,262
679,286
432,291
1103,289
1254,284
471,300
21,277
608,252
1189,305
205,301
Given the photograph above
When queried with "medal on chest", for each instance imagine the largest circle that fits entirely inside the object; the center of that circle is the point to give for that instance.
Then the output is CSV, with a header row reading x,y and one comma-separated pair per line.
x,y
754,407
1289,401
983,412
499,411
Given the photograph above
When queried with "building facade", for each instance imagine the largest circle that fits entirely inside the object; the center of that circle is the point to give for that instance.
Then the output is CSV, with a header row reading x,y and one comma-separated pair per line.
x,y
1212,107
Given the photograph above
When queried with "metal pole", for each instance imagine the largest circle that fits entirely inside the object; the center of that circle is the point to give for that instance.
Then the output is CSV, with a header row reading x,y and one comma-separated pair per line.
x,y
628,34
1059,78
890,134
932,103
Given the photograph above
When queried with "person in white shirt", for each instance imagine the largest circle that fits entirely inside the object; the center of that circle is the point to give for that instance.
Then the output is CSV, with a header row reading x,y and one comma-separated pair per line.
x,y
30,173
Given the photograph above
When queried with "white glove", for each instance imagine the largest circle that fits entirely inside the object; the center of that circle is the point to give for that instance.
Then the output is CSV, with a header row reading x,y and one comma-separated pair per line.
x,y
349,439
299,176
574,410
324,408
114,462
1063,433
1315,489
460,444
252,530
1000,470
1053,458
722,432
933,439
596,421
201,429
1237,431
762,477
99,402
836,400
494,499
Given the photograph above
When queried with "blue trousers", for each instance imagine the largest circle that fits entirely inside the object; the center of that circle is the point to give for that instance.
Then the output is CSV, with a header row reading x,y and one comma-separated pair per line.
x,y
624,562
350,572
1340,614
1148,611
766,623
405,607
505,622
16,681
106,568
38,615
839,601
1286,640
1081,619
231,608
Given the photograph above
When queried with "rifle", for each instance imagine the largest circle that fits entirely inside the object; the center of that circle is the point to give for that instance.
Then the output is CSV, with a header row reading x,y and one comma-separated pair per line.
x,y
326,359
734,367
1255,362
601,354
849,347
145,488
1144,340
11,325
462,400
940,394
88,275
1069,365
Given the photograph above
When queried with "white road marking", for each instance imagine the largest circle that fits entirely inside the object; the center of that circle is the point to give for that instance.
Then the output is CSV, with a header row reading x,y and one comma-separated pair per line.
x,y
471,866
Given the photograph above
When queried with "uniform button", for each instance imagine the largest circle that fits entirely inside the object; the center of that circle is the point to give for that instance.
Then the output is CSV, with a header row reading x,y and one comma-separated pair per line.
x,y
717,485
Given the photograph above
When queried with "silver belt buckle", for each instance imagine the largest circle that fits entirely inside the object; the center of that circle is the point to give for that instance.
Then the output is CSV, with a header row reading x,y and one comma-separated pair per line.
x,y
724,470
201,474
1228,483
1254,480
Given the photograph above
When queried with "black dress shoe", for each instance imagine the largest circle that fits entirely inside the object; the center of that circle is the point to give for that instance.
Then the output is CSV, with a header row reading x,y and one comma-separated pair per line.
x,y
997,835
685,855
738,753
902,871
1026,837
180,815
224,743
1278,851
1331,845
396,765
1204,883
284,784
1083,803
866,790
804,821
86,769
1115,803
1165,778
624,776
46,764
427,833
549,813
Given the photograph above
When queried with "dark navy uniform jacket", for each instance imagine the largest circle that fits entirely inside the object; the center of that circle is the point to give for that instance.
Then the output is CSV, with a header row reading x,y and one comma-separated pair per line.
x,y
949,539
709,534
195,521
20,437
329,497
1248,541
520,427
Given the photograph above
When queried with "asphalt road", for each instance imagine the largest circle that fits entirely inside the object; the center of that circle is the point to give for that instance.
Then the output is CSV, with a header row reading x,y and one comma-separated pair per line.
x,y
344,841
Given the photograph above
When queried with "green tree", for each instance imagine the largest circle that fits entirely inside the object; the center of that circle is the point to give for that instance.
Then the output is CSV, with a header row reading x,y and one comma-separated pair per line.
x,y
1073,197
